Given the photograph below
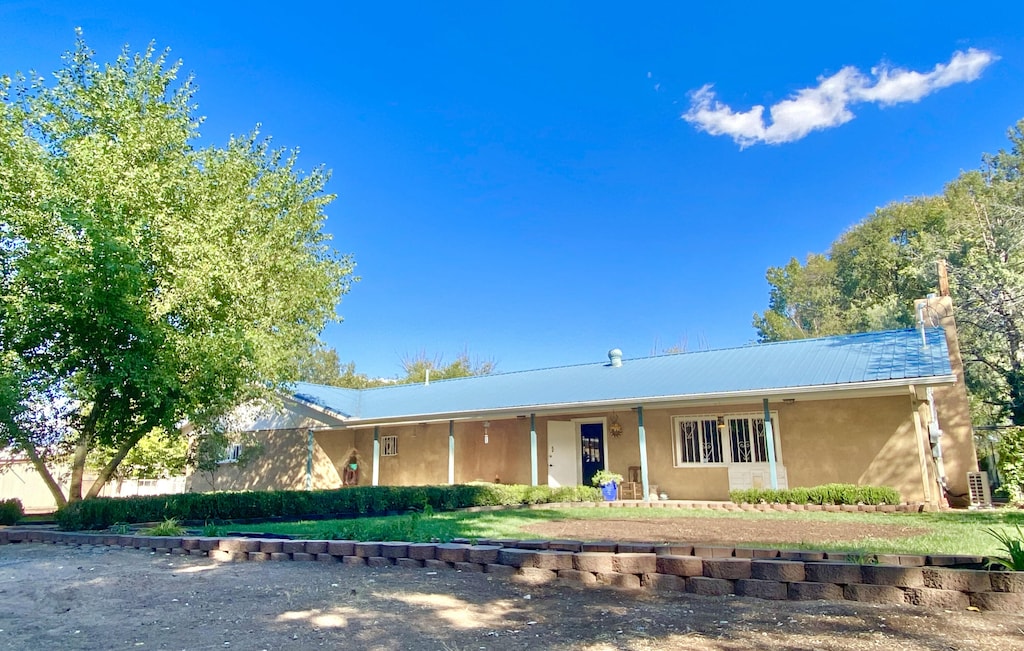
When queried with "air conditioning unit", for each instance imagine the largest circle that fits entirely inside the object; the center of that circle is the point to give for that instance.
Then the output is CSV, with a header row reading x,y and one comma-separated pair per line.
x,y
981,495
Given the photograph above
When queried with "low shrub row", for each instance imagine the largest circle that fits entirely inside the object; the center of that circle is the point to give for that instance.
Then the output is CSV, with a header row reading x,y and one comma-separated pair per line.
x,y
824,494
99,513
11,511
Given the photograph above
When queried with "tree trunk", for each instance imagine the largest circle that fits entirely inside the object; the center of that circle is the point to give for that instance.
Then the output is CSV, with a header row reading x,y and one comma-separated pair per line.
x,y
78,466
108,470
85,438
44,472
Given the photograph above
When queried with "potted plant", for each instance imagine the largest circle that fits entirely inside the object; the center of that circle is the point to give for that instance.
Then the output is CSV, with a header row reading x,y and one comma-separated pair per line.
x,y
609,483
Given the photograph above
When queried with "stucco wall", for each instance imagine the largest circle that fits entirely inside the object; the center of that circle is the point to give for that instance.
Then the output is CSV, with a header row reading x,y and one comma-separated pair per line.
x,y
860,441
282,464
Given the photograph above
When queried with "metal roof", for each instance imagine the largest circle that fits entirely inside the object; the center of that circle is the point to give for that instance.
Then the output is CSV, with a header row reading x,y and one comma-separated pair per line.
x,y
894,358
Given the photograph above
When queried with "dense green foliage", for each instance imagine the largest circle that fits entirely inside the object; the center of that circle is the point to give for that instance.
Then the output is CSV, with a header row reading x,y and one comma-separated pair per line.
x,y
169,527
98,513
11,511
145,280
1011,463
824,494
1012,548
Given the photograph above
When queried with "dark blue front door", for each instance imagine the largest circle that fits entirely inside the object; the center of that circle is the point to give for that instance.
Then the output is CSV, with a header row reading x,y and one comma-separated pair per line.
x,y
592,439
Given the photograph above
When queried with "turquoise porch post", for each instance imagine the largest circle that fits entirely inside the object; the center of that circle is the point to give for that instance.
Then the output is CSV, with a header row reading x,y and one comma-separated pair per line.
x,y
533,449
643,451
376,455
769,437
451,452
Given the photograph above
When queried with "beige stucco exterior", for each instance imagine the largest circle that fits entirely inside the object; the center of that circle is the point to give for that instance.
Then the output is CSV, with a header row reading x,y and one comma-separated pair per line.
x,y
876,436
864,440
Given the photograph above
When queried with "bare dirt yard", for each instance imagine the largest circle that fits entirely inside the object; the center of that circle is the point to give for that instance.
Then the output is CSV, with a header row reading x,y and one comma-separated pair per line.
x,y
55,597
718,530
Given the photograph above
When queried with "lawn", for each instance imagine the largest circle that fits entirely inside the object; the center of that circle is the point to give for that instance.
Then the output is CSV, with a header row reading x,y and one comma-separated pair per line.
x,y
958,532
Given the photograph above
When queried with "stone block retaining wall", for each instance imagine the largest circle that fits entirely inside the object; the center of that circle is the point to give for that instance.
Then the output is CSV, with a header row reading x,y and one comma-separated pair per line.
x,y
929,581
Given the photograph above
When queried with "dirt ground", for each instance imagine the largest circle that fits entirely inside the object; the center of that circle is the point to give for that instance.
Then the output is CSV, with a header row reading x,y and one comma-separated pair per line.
x,y
55,597
718,530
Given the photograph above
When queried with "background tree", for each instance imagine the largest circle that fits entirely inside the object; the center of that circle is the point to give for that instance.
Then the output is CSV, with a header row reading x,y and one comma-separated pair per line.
x,y
157,455
873,272
462,366
145,281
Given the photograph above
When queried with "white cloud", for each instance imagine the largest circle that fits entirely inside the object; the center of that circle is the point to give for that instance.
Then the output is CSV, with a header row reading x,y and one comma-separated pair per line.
x,y
828,104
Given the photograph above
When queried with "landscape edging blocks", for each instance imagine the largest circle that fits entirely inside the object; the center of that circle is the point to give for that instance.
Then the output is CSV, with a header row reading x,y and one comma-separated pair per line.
x,y
926,581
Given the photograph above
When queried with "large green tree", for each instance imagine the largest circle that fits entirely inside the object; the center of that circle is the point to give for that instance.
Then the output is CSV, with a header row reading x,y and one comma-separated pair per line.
x,y
146,280
872,273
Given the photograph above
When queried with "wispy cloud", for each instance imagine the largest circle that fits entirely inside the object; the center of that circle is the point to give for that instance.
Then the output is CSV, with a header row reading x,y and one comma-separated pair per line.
x,y
828,104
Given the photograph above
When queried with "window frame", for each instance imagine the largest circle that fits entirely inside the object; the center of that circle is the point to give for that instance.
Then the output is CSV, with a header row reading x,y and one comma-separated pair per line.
x,y
389,445
232,451
724,438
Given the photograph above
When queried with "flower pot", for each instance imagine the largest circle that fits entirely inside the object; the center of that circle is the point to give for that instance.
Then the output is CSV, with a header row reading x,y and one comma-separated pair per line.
x,y
610,491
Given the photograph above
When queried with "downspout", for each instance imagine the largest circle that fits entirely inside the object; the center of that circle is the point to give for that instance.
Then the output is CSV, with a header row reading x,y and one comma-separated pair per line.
x,y
935,438
926,485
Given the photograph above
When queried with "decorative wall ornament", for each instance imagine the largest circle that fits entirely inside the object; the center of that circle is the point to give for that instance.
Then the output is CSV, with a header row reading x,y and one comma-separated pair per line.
x,y
614,427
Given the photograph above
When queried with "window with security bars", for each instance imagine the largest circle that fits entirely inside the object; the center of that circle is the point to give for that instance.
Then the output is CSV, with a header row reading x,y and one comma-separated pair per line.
x,y
389,446
735,439
699,441
747,440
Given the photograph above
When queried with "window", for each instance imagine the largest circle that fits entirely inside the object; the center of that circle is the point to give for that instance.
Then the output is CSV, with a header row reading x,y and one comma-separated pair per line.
x,y
389,446
231,453
747,440
732,439
699,441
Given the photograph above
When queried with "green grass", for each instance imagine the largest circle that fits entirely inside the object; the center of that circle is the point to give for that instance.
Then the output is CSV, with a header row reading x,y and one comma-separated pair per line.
x,y
960,532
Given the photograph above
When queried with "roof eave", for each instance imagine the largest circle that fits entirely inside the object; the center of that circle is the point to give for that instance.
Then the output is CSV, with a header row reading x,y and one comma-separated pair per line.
x,y
323,414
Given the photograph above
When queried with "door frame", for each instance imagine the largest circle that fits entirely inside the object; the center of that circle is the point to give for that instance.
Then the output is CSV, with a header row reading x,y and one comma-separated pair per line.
x,y
577,422
578,440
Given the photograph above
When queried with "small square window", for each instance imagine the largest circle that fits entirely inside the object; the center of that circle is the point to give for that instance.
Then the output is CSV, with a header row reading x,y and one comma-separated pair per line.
x,y
389,446
231,453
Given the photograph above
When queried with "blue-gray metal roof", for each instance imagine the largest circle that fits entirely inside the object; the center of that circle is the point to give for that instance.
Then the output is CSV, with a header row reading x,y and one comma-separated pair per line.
x,y
890,358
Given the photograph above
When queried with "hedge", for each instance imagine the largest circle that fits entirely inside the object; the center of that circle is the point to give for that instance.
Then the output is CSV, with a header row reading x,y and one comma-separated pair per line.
x,y
99,513
824,494
11,511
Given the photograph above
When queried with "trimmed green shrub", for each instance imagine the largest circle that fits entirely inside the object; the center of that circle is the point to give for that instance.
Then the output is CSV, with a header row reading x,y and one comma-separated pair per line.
x,y
824,494
11,511
99,513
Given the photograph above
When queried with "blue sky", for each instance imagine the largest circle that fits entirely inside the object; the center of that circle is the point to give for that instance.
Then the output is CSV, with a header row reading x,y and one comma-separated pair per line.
x,y
539,182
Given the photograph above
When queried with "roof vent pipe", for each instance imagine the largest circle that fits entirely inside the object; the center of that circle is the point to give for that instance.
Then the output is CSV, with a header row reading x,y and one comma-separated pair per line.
x,y
426,379
615,357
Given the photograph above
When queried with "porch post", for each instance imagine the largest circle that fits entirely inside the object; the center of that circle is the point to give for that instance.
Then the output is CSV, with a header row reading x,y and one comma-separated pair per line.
x,y
533,449
643,451
451,452
309,459
376,455
769,438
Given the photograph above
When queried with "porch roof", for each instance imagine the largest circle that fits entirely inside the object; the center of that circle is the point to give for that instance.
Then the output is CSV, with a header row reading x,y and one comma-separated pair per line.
x,y
874,360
